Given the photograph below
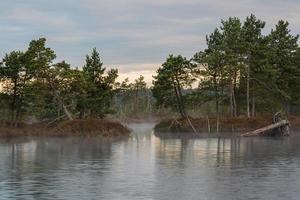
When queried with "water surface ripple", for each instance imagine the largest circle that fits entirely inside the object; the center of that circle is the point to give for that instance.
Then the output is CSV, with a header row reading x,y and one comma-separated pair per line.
x,y
147,167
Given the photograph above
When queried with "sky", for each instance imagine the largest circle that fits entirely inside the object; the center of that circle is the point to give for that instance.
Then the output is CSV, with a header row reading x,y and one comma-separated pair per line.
x,y
134,36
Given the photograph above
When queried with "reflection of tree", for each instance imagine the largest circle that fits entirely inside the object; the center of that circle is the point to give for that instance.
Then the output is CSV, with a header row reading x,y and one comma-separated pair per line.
x,y
39,167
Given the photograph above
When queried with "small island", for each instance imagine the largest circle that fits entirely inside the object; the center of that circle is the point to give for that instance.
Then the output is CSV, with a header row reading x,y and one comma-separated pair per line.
x,y
235,85
39,98
212,127
78,128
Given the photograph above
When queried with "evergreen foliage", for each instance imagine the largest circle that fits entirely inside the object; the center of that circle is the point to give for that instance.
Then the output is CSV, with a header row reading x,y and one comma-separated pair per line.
x,y
242,71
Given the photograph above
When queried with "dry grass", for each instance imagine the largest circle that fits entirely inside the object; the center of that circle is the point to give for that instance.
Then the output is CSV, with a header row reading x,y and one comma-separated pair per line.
x,y
84,128
226,125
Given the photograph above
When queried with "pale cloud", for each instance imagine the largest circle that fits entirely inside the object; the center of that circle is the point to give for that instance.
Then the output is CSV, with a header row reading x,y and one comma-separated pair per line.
x,y
134,35
31,16
65,39
135,67
93,4
148,76
135,70
190,21
11,29
173,40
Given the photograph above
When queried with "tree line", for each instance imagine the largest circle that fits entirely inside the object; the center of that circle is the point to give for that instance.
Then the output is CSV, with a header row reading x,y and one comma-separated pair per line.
x,y
35,88
134,99
241,71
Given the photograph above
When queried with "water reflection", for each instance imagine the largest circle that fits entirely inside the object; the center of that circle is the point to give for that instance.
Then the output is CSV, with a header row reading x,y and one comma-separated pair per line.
x,y
148,167
46,167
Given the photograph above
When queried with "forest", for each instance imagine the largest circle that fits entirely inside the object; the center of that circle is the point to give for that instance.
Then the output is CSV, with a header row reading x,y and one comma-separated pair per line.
x,y
241,72
36,89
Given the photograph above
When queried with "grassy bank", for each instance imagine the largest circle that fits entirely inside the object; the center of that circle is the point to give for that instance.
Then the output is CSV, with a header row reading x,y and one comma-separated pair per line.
x,y
82,128
226,125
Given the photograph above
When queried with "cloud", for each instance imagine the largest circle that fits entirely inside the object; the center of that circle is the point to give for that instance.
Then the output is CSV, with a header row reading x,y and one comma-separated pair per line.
x,y
134,70
135,67
94,4
65,39
134,35
31,16
172,40
148,75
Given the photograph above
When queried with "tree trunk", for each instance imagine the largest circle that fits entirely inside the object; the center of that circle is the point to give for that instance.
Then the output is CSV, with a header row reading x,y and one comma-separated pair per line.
x,y
287,108
253,106
248,91
231,100
218,119
234,95
217,104
181,103
81,113
66,111
135,100
13,104
233,106
208,124
179,99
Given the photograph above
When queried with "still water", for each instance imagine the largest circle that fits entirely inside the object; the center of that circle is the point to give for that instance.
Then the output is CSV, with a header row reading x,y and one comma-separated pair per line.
x,y
147,167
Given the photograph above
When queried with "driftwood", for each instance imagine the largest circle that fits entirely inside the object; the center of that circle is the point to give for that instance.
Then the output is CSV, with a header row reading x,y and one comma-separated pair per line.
x,y
278,128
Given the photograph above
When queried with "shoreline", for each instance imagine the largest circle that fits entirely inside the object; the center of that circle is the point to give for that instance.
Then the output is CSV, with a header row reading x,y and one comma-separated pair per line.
x,y
165,127
208,126
78,128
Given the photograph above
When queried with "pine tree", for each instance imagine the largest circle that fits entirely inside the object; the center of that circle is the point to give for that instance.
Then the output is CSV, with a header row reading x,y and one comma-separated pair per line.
x,y
11,71
233,56
174,75
252,41
99,86
212,64
283,48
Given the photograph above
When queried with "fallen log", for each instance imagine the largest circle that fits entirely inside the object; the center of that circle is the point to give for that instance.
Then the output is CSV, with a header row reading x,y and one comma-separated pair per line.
x,y
278,128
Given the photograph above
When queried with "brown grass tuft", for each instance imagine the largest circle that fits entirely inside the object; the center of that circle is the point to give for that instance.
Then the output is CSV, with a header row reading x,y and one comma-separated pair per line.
x,y
84,128
226,125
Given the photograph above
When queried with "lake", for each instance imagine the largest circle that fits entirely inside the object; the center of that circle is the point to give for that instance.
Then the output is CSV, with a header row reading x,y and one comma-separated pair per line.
x,y
147,167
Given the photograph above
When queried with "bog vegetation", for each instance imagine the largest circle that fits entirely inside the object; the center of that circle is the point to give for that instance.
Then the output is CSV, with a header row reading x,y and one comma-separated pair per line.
x,y
241,72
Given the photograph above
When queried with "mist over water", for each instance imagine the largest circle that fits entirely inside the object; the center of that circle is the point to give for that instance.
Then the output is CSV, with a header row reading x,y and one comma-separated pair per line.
x,y
147,167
